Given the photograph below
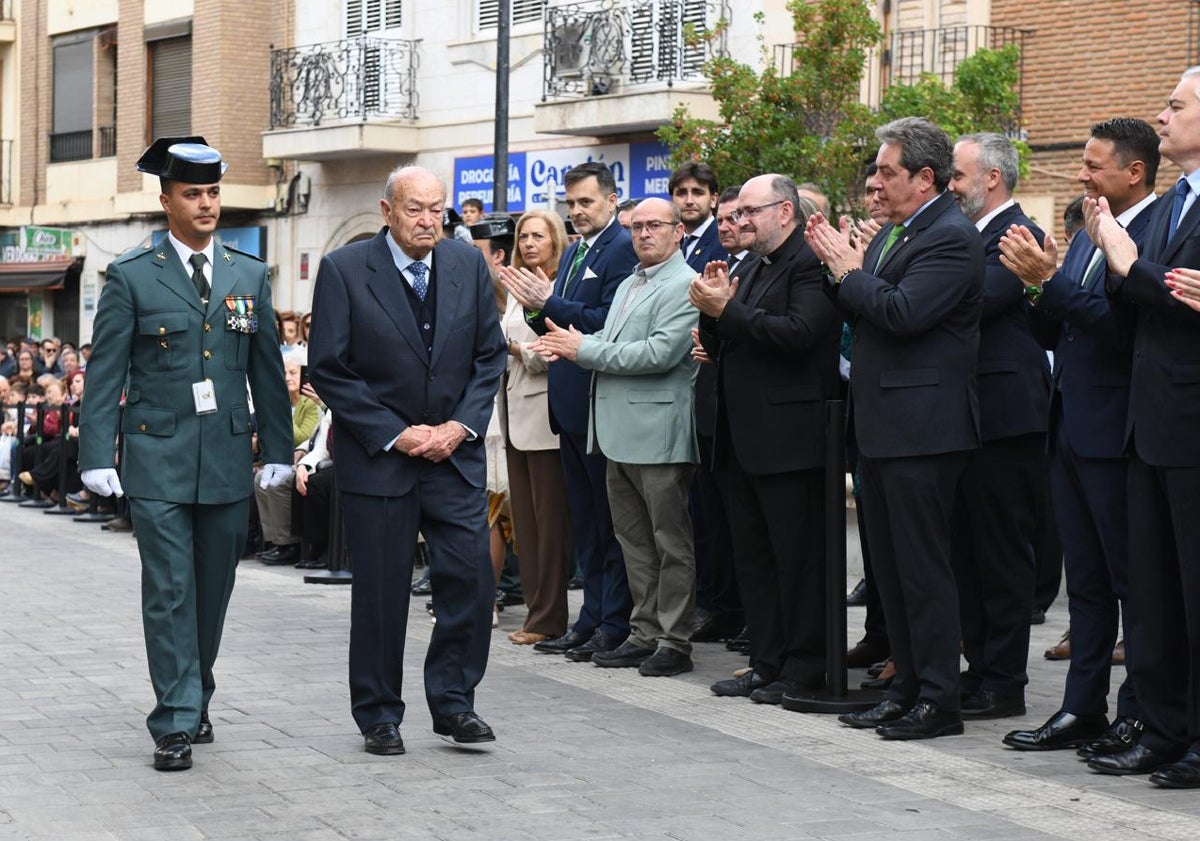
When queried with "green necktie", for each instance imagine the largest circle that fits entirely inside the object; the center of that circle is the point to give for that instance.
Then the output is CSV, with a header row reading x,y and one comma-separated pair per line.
x,y
575,264
893,235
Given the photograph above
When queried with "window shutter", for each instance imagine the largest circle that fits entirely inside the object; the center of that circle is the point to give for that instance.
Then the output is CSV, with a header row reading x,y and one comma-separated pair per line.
x,y
523,11
171,88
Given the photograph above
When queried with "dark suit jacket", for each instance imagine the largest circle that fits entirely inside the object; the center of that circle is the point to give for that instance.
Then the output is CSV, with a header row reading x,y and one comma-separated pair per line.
x,y
776,351
916,329
585,306
1014,374
706,250
367,361
1164,396
1092,339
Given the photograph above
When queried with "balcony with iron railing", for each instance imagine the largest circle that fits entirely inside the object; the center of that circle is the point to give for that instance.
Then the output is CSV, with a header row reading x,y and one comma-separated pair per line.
x,y
613,66
344,97
910,53
85,145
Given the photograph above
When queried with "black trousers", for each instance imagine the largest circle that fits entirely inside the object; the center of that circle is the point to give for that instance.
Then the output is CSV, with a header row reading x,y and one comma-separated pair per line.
x,y
716,577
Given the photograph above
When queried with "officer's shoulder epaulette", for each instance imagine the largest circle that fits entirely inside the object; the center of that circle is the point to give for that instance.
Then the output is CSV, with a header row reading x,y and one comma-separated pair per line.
x,y
241,253
135,253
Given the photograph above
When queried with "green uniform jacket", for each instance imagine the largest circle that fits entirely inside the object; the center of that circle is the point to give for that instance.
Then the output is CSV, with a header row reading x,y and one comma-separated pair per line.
x,y
153,334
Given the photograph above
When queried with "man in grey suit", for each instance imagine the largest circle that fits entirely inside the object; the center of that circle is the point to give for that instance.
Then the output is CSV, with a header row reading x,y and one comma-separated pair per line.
x,y
643,420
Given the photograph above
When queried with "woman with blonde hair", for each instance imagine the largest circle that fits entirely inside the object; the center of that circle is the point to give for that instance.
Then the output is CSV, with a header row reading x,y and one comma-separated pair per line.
x,y
536,489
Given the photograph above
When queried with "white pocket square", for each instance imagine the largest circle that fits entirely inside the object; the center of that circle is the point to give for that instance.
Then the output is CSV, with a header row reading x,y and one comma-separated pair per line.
x,y
589,273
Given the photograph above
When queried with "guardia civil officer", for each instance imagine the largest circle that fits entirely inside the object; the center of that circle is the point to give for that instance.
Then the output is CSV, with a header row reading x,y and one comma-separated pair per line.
x,y
180,327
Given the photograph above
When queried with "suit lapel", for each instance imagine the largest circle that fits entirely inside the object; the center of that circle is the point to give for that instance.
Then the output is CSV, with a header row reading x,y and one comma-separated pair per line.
x,y
171,274
448,273
224,278
1187,225
384,282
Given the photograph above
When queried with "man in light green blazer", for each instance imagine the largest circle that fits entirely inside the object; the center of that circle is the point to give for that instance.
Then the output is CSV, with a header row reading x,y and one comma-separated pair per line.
x,y
179,329
643,420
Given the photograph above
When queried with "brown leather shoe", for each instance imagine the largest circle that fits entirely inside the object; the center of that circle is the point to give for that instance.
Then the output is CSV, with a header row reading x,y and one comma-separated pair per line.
x,y
1062,651
865,653
1118,655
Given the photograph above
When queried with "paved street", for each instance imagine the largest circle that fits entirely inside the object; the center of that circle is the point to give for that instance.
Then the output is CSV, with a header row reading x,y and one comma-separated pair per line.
x,y
582,752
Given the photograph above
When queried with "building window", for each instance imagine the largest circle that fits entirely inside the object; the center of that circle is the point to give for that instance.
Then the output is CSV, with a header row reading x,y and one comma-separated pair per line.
x,y
523,11
71,132
368,17
170,87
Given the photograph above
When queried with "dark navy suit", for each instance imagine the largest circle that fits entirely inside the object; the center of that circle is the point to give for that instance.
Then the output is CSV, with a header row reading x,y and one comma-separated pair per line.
x,y
1000,500
381,369
1091,337
1162,632
582,301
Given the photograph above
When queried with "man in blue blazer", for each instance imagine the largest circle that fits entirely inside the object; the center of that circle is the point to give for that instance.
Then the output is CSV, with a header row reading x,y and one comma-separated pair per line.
x,y
1092,340
1163,629
589,273
406,349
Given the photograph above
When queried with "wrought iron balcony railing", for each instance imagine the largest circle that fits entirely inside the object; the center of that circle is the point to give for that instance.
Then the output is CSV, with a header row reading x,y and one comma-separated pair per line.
x,y
592,47
909,53
71,146
354,79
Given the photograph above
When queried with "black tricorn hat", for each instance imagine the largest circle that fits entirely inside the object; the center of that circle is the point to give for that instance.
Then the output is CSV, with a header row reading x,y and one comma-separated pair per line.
x,y
494,227
450,218
186,159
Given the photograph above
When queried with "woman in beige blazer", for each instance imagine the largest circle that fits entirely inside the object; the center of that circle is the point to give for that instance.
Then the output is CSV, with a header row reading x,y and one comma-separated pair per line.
x,y
538,496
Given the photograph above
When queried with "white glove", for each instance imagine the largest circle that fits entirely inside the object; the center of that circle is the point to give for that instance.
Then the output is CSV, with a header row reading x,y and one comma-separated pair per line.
x,y
274,475
103,481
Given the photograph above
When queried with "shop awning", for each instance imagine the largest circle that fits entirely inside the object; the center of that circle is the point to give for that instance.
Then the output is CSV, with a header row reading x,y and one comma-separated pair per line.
x,y
45,274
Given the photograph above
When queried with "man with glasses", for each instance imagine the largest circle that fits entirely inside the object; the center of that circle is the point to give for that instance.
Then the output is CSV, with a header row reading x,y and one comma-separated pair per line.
x,y
642,419
50,362
774,335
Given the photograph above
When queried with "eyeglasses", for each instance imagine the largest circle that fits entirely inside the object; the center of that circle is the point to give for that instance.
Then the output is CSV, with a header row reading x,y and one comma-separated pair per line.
x,y
653,227
750,212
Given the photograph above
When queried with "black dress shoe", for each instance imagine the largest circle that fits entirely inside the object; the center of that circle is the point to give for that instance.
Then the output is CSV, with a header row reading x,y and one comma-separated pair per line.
x,y
984,703
118,524
774,691
665,662
204,733
173,752
423,586
858,596
741,642
383,739
1037,616
714,627
1182,774
464,728
1139,759
1121,736
282,555
923,721
1062,730
739,687
626,655
600,641
560,645
865,653
314,563
881,713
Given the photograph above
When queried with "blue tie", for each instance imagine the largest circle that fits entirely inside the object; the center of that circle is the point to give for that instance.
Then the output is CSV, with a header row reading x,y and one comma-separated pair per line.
x,y
1182,189
420,282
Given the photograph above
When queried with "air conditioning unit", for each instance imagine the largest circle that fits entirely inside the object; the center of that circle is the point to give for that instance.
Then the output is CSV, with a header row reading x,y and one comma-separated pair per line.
x,y
573,42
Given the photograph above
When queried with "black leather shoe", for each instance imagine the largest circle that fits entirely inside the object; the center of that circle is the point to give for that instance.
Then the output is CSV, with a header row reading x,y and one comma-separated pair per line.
x,y
858,596
739,687
741,642
464,728
600,641
313,563
1062,730
560,645
173,752
665,662
866,653
923,721
881,713
1120,737
118,524
984,703
1139,759
715,627
626,655
1182,774
204,733
383,739
282,555
422,586
774,691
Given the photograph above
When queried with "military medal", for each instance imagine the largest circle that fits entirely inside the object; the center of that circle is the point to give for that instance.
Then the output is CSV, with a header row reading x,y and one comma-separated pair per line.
x,y
241,317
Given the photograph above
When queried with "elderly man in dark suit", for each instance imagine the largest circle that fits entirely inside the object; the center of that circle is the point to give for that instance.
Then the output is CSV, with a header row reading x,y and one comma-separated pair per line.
x,y
180,329
410,457
1003,492
1092,340
914,297
1162,632
774,337
589,273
